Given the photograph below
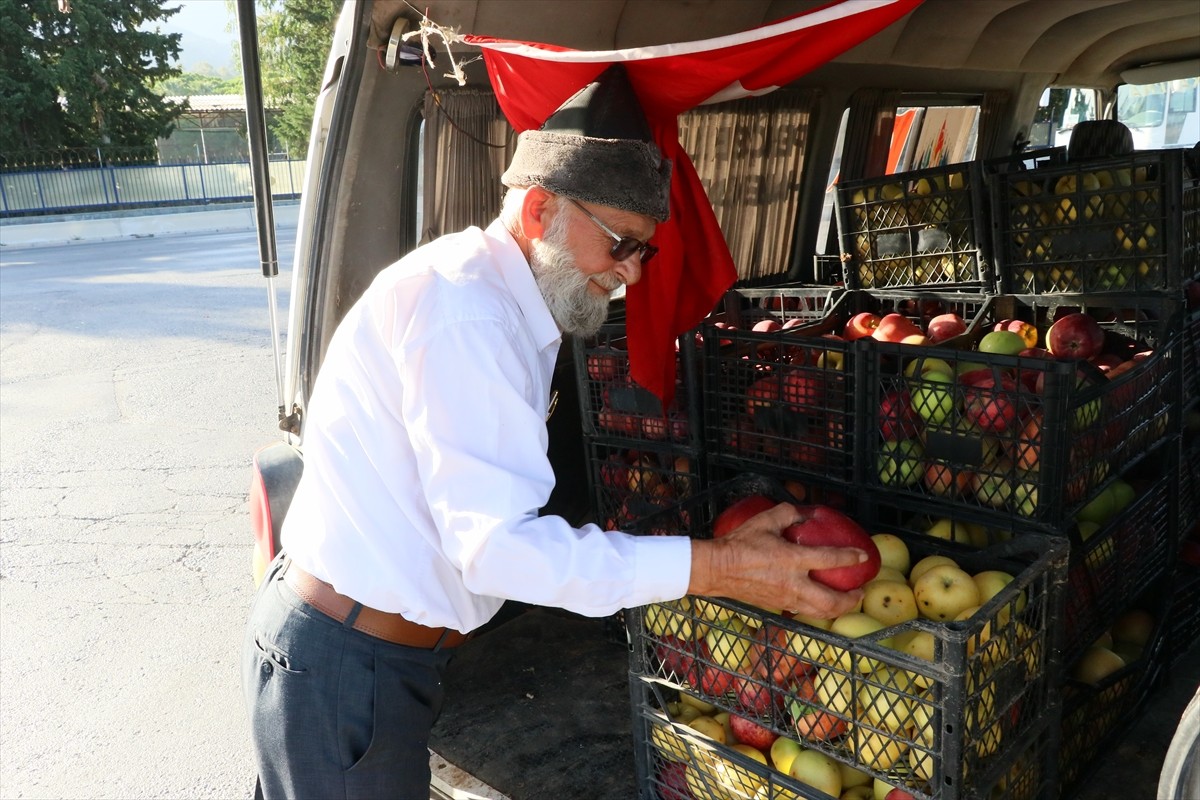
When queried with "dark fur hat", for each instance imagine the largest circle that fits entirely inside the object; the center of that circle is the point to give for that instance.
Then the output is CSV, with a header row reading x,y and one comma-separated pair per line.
x,y
597,147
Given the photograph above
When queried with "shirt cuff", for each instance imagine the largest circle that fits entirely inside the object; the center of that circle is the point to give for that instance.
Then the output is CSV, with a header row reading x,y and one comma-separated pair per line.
x,y
663,567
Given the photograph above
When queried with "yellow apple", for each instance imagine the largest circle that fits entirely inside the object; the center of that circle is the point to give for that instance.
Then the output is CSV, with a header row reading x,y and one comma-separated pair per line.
x,y
893,552
673,618
884,706
889,602
853,625
667,741
880,789
921,762
1134,627
818,771
783,752
922,645
701,706
919,366
1096,664
875,750
836,692
708,727
889,574
950,530
857,793
729,644
927,563
723,718
944,591
752,753
852,777
686,713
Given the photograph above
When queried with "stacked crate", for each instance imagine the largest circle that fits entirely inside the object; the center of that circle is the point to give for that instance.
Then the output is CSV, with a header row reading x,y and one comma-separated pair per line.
x,y
975,716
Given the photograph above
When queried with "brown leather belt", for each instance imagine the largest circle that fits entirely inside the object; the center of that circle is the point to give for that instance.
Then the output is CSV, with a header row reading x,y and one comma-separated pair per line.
x,y
381,624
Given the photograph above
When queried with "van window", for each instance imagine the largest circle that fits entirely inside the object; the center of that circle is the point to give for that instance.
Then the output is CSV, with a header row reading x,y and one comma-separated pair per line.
x,y
1059,111
932,136
1161,114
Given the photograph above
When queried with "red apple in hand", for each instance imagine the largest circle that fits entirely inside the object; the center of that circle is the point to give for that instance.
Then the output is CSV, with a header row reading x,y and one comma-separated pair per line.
x,y
1076,335
739,512
945,326
821,526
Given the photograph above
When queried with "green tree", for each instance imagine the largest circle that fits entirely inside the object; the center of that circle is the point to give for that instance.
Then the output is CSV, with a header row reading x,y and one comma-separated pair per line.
x,y
83,74
293,40
194,83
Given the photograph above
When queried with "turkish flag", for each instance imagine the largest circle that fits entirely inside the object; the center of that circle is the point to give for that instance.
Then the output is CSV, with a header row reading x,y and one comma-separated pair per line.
x,y
693,268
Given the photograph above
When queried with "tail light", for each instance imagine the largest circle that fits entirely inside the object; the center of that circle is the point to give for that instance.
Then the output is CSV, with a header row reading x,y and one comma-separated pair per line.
x,y
276,472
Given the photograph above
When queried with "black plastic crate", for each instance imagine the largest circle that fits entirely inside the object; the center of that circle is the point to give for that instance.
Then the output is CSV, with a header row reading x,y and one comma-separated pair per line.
x,y
1189,486
991,679
634,480
1110,225
1183,624
1096,717
675,761
1017,439
783,305
614,405
1023,162
1123,559
1190,358
784,400
920,228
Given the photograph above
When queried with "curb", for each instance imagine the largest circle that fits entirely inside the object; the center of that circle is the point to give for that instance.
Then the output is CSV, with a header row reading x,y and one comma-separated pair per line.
x,y
85,228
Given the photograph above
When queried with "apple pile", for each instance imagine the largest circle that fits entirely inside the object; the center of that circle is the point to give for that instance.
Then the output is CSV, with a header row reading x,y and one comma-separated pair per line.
x,y
624,408
873,714
1102,211
935,409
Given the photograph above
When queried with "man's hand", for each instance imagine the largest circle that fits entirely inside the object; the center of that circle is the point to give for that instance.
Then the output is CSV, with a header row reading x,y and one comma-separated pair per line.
x,y
756,565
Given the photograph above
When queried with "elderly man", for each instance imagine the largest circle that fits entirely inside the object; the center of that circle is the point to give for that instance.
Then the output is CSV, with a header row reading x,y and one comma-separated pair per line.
x,y
425,467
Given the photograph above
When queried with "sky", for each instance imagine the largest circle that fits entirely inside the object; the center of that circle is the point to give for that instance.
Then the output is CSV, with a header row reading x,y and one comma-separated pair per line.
x,y
209,32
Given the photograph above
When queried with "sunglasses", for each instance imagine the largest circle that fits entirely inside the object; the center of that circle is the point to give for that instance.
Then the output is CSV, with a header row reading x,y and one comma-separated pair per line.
x,y
623,246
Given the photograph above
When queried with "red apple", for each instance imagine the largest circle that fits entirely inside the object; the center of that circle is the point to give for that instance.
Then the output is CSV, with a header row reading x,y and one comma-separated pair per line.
x,y
896,328
861,325
747,731
673,782
715,681
991,406
821,526
1076,335
776,663
1029,377
767,326
763,393
897,418
605,363
898,794
802,388
945,326
676,656
740,511
794,322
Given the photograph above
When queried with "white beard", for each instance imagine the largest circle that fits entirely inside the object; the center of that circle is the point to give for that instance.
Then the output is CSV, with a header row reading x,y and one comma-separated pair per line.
x,y
574,306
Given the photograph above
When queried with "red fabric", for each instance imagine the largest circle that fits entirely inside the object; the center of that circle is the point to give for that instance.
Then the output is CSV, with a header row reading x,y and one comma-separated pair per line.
x,y
694,267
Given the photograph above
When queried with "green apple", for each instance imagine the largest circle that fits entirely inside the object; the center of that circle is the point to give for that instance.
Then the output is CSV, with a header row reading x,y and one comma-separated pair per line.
x,y
900,463
783,752
992,489
893,552
889,602
919,366
1005,343
1123,494
1099,510
944,591
963,367
933,397
818,771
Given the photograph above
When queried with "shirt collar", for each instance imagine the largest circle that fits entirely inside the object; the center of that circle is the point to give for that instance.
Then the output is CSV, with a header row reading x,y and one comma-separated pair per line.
x,y
519,277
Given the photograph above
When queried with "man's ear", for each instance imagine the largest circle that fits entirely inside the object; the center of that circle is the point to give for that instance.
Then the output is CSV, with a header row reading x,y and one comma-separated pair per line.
x,y
535,212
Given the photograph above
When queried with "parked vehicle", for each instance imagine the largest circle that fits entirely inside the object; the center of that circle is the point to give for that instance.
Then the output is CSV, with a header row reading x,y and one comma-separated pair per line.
x,y
401,153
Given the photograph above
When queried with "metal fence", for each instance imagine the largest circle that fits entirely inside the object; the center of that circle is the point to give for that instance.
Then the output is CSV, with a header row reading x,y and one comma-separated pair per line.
x,y
102,187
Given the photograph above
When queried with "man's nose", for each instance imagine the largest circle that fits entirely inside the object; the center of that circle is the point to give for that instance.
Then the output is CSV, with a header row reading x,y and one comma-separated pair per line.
x,y
629,270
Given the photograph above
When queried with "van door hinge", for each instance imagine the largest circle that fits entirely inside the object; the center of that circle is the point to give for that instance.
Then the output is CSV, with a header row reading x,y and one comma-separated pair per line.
x,y
290,423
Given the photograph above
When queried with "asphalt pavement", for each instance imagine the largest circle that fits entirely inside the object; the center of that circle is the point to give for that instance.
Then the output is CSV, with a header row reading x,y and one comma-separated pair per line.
x,y
135,383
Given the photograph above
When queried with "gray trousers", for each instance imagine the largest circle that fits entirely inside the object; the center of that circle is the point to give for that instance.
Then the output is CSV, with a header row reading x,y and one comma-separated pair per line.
x,y
335,714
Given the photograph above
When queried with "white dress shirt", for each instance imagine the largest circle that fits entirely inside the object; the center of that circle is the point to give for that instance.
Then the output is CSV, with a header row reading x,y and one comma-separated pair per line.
x,y
425,453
